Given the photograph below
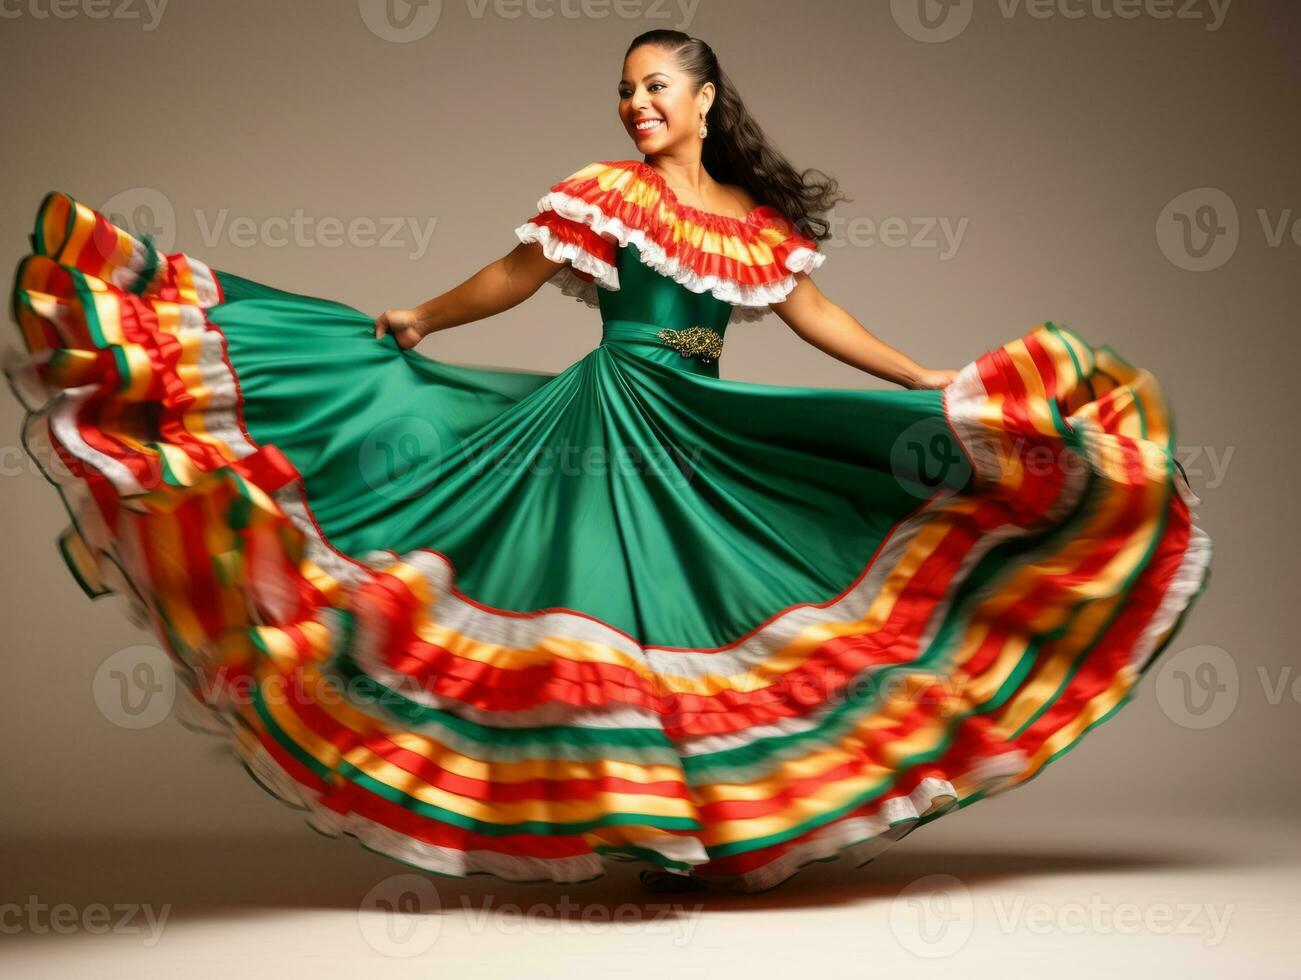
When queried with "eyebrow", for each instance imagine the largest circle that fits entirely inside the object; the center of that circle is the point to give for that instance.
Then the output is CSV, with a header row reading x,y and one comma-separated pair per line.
x,y
651,75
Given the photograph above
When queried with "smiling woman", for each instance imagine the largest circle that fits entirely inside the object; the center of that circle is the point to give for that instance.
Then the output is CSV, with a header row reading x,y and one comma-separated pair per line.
x,y
522,623
672,88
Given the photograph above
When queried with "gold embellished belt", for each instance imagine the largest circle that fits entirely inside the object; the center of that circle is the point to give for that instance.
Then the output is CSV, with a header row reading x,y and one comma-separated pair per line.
x,y
701,342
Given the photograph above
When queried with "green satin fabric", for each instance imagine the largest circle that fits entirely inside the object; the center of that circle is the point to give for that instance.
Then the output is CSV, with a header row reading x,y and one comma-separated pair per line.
x,y
635,486
647,296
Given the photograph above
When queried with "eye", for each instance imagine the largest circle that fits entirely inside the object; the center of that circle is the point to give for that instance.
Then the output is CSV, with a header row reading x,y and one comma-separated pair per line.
x,y
625,93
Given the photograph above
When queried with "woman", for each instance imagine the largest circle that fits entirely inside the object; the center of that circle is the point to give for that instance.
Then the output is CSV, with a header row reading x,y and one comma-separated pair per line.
x,y
517,623
671,84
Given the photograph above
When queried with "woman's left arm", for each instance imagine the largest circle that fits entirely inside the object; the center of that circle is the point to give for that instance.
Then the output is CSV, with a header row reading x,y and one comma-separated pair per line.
x,y
831,329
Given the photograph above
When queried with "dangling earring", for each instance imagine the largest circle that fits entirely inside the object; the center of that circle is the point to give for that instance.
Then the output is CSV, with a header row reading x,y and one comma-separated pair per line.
x,y
704,128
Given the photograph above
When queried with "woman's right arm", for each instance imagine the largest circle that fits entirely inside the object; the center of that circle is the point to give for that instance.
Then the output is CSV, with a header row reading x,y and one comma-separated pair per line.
x,y
496,287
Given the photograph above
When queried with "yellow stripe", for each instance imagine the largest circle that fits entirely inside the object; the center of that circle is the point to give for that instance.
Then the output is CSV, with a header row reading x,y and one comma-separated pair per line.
x,y
82,226
171,577
830,797
979,688
427,745
504,812
323,581
1036,403
755,253
792,657
219,541
55,222
496,812
185,280
1097,706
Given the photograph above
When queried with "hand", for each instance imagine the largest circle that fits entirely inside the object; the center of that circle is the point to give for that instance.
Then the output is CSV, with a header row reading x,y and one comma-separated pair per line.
x,y
405,326
933,379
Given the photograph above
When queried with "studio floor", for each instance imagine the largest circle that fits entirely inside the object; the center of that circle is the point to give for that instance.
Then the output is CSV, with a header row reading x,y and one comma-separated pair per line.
x,y
982,894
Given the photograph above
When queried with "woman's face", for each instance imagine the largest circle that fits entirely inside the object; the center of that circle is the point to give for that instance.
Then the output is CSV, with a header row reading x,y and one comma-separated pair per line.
x,y
656,104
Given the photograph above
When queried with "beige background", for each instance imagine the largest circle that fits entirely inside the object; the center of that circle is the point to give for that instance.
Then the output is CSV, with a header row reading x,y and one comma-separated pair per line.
x,y
1058,141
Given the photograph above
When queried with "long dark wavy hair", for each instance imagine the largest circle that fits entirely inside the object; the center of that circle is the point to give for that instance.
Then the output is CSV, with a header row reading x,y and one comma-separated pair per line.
x,y
736,150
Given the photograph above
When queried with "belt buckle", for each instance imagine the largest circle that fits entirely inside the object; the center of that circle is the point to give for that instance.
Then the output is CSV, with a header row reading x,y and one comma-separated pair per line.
x,y
695,341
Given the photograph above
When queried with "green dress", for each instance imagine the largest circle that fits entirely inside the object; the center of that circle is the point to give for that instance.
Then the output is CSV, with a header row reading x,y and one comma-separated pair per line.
x,y
518,622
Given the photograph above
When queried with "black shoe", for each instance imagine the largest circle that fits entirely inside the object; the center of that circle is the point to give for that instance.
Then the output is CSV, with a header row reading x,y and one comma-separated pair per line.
x,y
657,880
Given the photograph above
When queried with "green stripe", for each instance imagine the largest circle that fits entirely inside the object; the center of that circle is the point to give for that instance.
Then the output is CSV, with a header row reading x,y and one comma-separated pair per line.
x,y
540,827
19,297
1025,663
39,244
866,796
1086,370
146,275
73,567
713,766
539,738
728,765
1082,375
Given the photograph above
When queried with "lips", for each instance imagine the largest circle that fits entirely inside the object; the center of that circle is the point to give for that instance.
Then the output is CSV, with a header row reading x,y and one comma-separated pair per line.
x,y
647,125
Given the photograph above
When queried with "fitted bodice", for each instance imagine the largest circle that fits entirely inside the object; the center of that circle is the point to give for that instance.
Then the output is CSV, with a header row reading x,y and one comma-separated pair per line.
x,y
647,302
698,271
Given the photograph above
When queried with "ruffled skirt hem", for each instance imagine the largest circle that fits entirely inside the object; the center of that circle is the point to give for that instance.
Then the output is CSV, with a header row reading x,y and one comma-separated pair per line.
x,y
540,752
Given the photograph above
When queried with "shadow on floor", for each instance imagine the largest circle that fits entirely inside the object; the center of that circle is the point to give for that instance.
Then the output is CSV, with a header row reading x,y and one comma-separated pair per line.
x,y
213,878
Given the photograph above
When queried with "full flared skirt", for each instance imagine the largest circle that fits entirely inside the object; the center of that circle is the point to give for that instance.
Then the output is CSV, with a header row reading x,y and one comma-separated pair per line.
x,y
515,622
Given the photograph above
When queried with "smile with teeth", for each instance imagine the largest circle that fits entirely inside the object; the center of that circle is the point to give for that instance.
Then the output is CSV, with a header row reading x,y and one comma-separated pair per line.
x,y
646,125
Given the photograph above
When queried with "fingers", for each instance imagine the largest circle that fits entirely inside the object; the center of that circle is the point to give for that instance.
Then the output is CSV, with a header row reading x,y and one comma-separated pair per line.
x,y
381,325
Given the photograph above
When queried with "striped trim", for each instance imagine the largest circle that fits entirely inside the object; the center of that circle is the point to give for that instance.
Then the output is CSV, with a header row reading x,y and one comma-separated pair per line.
x,y
992,629
748,262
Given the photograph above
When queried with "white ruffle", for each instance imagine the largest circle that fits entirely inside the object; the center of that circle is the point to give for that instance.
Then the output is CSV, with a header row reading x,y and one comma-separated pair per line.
x,y
574,257
749,302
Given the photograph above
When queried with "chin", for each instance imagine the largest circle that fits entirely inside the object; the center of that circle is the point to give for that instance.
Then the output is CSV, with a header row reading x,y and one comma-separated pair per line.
x,y
655,145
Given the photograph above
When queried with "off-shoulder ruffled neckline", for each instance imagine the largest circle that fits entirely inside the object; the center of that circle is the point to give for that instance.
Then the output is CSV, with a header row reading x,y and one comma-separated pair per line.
x,y
686,210
749,262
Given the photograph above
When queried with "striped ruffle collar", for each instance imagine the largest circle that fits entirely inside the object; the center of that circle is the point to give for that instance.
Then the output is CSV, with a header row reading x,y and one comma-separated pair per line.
x,y
748,262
